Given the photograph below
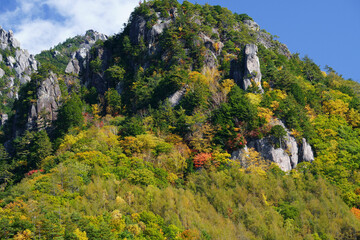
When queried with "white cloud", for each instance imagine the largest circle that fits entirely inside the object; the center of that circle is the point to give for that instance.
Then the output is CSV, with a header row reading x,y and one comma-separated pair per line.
x,y
36,32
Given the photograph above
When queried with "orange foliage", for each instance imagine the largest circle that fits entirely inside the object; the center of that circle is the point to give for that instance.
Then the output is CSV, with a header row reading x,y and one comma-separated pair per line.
x,y
356,212
201,159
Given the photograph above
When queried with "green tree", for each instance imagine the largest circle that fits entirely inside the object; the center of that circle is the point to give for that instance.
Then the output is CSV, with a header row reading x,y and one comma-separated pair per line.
x,y
278,132
70,115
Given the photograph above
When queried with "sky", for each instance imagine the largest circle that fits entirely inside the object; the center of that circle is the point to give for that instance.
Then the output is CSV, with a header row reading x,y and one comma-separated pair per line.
x,y
328,31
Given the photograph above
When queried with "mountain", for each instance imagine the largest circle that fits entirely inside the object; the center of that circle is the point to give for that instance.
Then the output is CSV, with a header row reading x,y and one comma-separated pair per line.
x,y
16,66
191,123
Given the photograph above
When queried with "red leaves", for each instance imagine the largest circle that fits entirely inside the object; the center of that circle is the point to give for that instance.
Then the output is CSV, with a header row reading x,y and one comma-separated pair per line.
x,y
201,159
33,171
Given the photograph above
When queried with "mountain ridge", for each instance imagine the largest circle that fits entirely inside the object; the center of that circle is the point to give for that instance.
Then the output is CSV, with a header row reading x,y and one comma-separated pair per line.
x,y
191,123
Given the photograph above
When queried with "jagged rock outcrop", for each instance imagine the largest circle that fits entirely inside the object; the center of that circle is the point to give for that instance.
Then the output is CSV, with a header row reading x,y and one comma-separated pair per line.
x,y
7,40
20,62
140,32
251,25
287,156
44,111
79,59
247,72
252,72
213,50
306,152
267,41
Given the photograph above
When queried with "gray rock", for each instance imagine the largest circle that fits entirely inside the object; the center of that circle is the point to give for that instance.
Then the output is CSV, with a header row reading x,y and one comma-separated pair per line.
x,y
91,37
79,59
252,25
252,70
4,118
25,79
44,111
1,58
240,155
286,157
306,152
210,59
56,53
2,73
73,67
22,61
177,96
265,148
7,40
158,29
10,61
137,29
266,40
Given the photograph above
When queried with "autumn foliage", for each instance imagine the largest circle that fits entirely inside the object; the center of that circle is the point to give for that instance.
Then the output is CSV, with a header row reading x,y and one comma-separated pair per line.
x,y
356,212
201,159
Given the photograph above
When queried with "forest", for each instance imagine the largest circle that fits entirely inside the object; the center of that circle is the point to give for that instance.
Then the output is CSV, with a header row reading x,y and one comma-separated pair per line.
x,y
122,161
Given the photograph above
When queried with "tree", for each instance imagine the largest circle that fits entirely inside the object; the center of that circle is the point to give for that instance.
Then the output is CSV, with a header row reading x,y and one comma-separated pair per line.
x,y
113,102
278,132
115,74
40,148
70,115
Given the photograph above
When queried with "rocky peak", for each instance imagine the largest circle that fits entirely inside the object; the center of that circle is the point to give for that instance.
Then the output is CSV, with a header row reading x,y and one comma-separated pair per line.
x,y
139,30
7,40
79,58
91,37
18,62
252,25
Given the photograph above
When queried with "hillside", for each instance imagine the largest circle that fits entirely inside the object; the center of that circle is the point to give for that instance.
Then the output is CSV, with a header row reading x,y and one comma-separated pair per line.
x,y
191,123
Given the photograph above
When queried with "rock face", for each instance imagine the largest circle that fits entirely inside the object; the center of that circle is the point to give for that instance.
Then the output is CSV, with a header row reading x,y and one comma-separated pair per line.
x,y
80,58
248,71
252,25
177,96
306,153
7,40
287,156
2,73
139,32
20,61
267,41
252,72
44,111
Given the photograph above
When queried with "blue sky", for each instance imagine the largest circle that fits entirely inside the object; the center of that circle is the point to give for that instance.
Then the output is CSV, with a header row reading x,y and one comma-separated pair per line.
x,y
328,31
